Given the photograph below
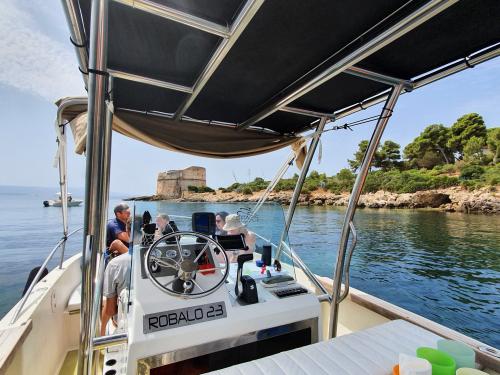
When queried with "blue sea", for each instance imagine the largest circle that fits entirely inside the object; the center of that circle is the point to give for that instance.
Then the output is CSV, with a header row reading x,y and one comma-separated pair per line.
x,y
443,266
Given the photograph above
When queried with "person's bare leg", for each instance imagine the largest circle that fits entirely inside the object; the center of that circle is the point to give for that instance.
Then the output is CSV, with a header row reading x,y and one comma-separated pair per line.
x,y
109,309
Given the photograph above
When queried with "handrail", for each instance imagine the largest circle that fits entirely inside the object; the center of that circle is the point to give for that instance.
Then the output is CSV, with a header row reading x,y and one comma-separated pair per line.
x,y
325,296
39,274
95,306
347,265
104,342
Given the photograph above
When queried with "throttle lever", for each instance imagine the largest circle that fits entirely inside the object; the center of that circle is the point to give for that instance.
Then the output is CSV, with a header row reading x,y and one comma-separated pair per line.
x,y
241,260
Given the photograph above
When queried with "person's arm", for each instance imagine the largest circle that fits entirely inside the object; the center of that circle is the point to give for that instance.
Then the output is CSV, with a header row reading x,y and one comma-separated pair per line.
x,y
118,246
110,308
250,240
123,236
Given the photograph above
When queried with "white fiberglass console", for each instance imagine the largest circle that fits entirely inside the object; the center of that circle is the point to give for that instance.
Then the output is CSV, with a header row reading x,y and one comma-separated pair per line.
x,y
184,315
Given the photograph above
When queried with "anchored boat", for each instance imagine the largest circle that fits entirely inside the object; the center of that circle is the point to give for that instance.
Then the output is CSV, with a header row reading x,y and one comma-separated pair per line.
x,y
58,202
232,79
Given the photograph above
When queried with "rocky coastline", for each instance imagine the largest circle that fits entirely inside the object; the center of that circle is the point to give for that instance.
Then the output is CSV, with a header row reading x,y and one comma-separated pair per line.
x,y
453,199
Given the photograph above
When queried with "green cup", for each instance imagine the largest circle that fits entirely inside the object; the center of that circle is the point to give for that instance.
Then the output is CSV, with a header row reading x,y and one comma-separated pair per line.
x,y
441,362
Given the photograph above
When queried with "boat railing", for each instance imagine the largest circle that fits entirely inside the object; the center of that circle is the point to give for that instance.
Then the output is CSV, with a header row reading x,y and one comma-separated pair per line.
x,y
325,296
347,265
60,244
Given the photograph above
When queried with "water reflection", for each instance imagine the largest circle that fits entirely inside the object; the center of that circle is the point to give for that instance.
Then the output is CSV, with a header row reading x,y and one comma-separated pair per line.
x,y
445,267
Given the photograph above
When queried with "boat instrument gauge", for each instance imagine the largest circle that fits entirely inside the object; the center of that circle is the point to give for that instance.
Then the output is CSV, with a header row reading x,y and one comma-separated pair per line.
x,y
172,254
200,265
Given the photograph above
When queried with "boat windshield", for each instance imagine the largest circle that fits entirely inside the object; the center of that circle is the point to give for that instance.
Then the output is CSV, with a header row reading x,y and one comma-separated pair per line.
x,y
265,227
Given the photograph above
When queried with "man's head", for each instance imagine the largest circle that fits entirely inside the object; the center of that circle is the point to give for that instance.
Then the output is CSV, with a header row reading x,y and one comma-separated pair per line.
x,y
122,212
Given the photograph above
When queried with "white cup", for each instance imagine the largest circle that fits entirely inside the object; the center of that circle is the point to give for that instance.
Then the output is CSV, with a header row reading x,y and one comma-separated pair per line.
x,y
470,371
409,365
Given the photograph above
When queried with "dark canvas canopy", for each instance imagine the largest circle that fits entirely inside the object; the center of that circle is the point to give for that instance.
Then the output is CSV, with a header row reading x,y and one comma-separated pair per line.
x,y
240,62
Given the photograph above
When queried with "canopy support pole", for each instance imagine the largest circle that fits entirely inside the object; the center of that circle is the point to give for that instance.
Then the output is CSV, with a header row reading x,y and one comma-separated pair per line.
x,y
353,201
72,13
97,175
300,183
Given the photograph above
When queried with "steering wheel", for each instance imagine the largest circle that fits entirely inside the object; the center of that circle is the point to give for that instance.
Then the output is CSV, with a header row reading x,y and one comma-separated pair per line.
x,y
187,255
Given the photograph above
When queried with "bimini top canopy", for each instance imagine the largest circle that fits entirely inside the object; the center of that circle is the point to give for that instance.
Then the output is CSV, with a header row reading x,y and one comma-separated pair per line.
x,y
276,65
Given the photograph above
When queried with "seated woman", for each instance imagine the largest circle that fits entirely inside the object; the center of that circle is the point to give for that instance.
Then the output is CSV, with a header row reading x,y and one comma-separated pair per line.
x,y
220,221
165,226
234,226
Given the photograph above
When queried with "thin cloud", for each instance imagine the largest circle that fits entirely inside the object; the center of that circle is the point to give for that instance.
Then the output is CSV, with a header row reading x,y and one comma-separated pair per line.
x,y
33,62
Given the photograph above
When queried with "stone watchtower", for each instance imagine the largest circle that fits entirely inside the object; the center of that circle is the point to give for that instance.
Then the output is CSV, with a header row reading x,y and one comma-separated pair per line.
x,y
173,183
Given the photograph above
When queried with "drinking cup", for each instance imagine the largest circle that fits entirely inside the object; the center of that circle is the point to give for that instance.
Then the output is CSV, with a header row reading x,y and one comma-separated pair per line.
x,y
470,371
441,362
409,365
463,355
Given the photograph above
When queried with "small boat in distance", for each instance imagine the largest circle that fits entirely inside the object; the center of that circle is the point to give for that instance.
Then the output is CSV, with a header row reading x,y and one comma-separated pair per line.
x,y
57,202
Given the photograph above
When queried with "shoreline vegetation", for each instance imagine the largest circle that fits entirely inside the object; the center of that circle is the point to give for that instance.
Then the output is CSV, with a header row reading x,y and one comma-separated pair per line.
x,y
455,169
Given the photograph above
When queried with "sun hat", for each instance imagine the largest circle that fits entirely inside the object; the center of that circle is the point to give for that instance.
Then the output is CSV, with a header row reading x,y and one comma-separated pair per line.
x,y
233,222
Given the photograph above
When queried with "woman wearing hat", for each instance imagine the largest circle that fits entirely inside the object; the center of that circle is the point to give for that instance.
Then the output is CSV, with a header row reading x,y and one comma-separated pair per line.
x,y
234,226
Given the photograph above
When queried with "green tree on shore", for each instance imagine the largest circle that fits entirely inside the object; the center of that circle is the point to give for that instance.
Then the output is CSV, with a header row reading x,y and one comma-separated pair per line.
x,y
430,148
466,127
355,163
473,150
493,142
387,156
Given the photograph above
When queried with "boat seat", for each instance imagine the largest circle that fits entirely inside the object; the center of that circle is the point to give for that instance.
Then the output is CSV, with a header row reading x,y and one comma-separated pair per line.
x,y
75,300
372,351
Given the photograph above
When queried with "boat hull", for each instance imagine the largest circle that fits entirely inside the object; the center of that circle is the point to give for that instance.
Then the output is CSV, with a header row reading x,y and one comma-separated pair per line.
x,y
73,203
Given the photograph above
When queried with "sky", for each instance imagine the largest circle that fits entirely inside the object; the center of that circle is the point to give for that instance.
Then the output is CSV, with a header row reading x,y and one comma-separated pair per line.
x,y
38,65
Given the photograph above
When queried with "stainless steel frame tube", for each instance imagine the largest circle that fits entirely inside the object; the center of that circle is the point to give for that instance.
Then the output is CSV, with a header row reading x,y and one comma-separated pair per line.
x,y
244,17
175,15
378,77
353,201
62,165
394,32
149,81
72,12
300,183
307,112
96,178
456,67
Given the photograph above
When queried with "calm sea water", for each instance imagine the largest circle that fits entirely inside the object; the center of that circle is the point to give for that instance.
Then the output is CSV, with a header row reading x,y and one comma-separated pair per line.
x,y
445,267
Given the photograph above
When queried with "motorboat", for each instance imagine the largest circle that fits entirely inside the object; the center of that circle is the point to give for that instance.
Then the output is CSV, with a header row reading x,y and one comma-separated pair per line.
x,y
58,202
232,79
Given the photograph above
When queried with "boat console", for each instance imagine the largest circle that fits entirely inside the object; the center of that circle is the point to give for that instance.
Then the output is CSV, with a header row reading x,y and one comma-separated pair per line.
x,y
191,310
